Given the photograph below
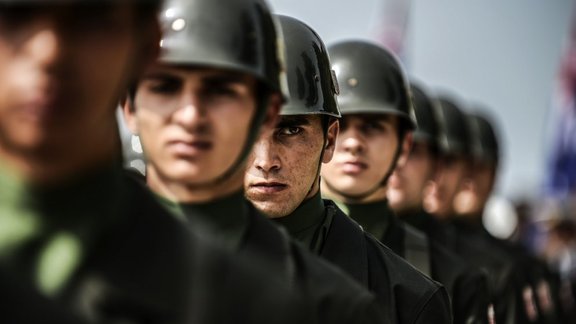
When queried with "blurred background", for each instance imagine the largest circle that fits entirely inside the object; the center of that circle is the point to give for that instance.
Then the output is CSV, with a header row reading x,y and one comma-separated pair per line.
x,y
517,60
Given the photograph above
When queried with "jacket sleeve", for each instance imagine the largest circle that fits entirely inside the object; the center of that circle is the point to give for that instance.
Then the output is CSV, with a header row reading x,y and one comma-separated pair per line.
x,y
470,299
436,309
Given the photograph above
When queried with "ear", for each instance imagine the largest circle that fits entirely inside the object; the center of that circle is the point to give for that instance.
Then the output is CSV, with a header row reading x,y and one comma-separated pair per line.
x,y
331,137
129,112
406,147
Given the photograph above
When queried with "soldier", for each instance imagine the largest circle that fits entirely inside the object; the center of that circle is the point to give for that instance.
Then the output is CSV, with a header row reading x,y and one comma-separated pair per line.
x,y
466,285
80,241
483,160
282,181
198,111
511,293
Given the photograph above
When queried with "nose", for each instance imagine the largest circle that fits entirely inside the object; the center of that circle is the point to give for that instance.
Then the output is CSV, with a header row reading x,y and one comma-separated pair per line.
x,y
351,141
190,114
46,44
265,157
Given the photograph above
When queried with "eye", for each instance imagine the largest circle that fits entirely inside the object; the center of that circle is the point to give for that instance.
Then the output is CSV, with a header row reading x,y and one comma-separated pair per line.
x,y
164,86
289,131
223,90
372,126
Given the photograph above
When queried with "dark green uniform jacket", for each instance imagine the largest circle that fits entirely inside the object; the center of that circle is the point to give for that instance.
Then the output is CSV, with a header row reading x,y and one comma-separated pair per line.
x,y
409,296
507,280
467,287
335,297
101,250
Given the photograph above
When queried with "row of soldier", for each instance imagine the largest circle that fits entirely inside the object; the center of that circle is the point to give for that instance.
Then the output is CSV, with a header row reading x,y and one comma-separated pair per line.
x,y
271,161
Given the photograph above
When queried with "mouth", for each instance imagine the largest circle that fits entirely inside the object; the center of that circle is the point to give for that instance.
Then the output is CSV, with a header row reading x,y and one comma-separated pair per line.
x,y
268,187
353,167
189,148
42,107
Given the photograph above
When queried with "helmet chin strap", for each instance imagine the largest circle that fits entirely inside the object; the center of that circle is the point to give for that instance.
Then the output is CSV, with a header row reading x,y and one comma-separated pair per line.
x,y
382,183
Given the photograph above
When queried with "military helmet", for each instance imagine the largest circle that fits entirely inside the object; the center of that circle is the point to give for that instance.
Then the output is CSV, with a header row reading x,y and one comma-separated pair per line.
x,y
238,35
454,134
312,85
427,129
484,139
371,81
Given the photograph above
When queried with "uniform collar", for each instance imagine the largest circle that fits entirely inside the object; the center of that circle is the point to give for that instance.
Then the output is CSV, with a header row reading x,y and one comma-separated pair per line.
x,y
67,219
309,214
375,217
226,219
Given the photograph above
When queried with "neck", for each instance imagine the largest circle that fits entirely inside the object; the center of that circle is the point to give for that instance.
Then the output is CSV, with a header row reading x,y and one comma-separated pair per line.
x,y
183,192
50,165
408,210
330,192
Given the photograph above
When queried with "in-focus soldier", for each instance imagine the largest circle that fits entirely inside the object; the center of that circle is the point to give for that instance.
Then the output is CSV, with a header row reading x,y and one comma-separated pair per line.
x,y
375,132
467,286
198,111
283,182
511,295
469,205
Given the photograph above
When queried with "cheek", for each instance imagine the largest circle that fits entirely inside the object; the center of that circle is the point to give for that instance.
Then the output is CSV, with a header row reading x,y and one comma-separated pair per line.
x,y
382,155
149,127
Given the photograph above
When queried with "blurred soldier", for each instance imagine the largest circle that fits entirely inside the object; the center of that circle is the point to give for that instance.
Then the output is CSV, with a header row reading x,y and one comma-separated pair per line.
x,y
375,132
282,181
198,111
511,294
405,194
65,209
469,204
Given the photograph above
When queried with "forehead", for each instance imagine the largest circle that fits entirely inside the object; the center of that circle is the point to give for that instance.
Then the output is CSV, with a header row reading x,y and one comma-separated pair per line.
x,y
299,120
198,72
364,118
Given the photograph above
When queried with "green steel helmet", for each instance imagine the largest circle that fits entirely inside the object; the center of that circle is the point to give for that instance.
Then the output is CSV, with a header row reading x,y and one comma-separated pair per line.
x,y
452,122
484,138
239,35
371,81
427,129
312,86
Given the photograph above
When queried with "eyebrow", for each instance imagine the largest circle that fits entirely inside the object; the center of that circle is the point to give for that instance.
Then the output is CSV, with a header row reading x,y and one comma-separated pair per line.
x,y
161,75
224,79
210,78
291,121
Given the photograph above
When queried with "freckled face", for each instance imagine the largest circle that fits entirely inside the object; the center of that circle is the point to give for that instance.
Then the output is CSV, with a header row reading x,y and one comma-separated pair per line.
x,y
283,167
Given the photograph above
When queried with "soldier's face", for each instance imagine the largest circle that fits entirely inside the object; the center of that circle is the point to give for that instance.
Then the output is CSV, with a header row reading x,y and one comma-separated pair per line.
x,y
365,151
475,190
452,170
62,71
406,185
283,167
192,122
